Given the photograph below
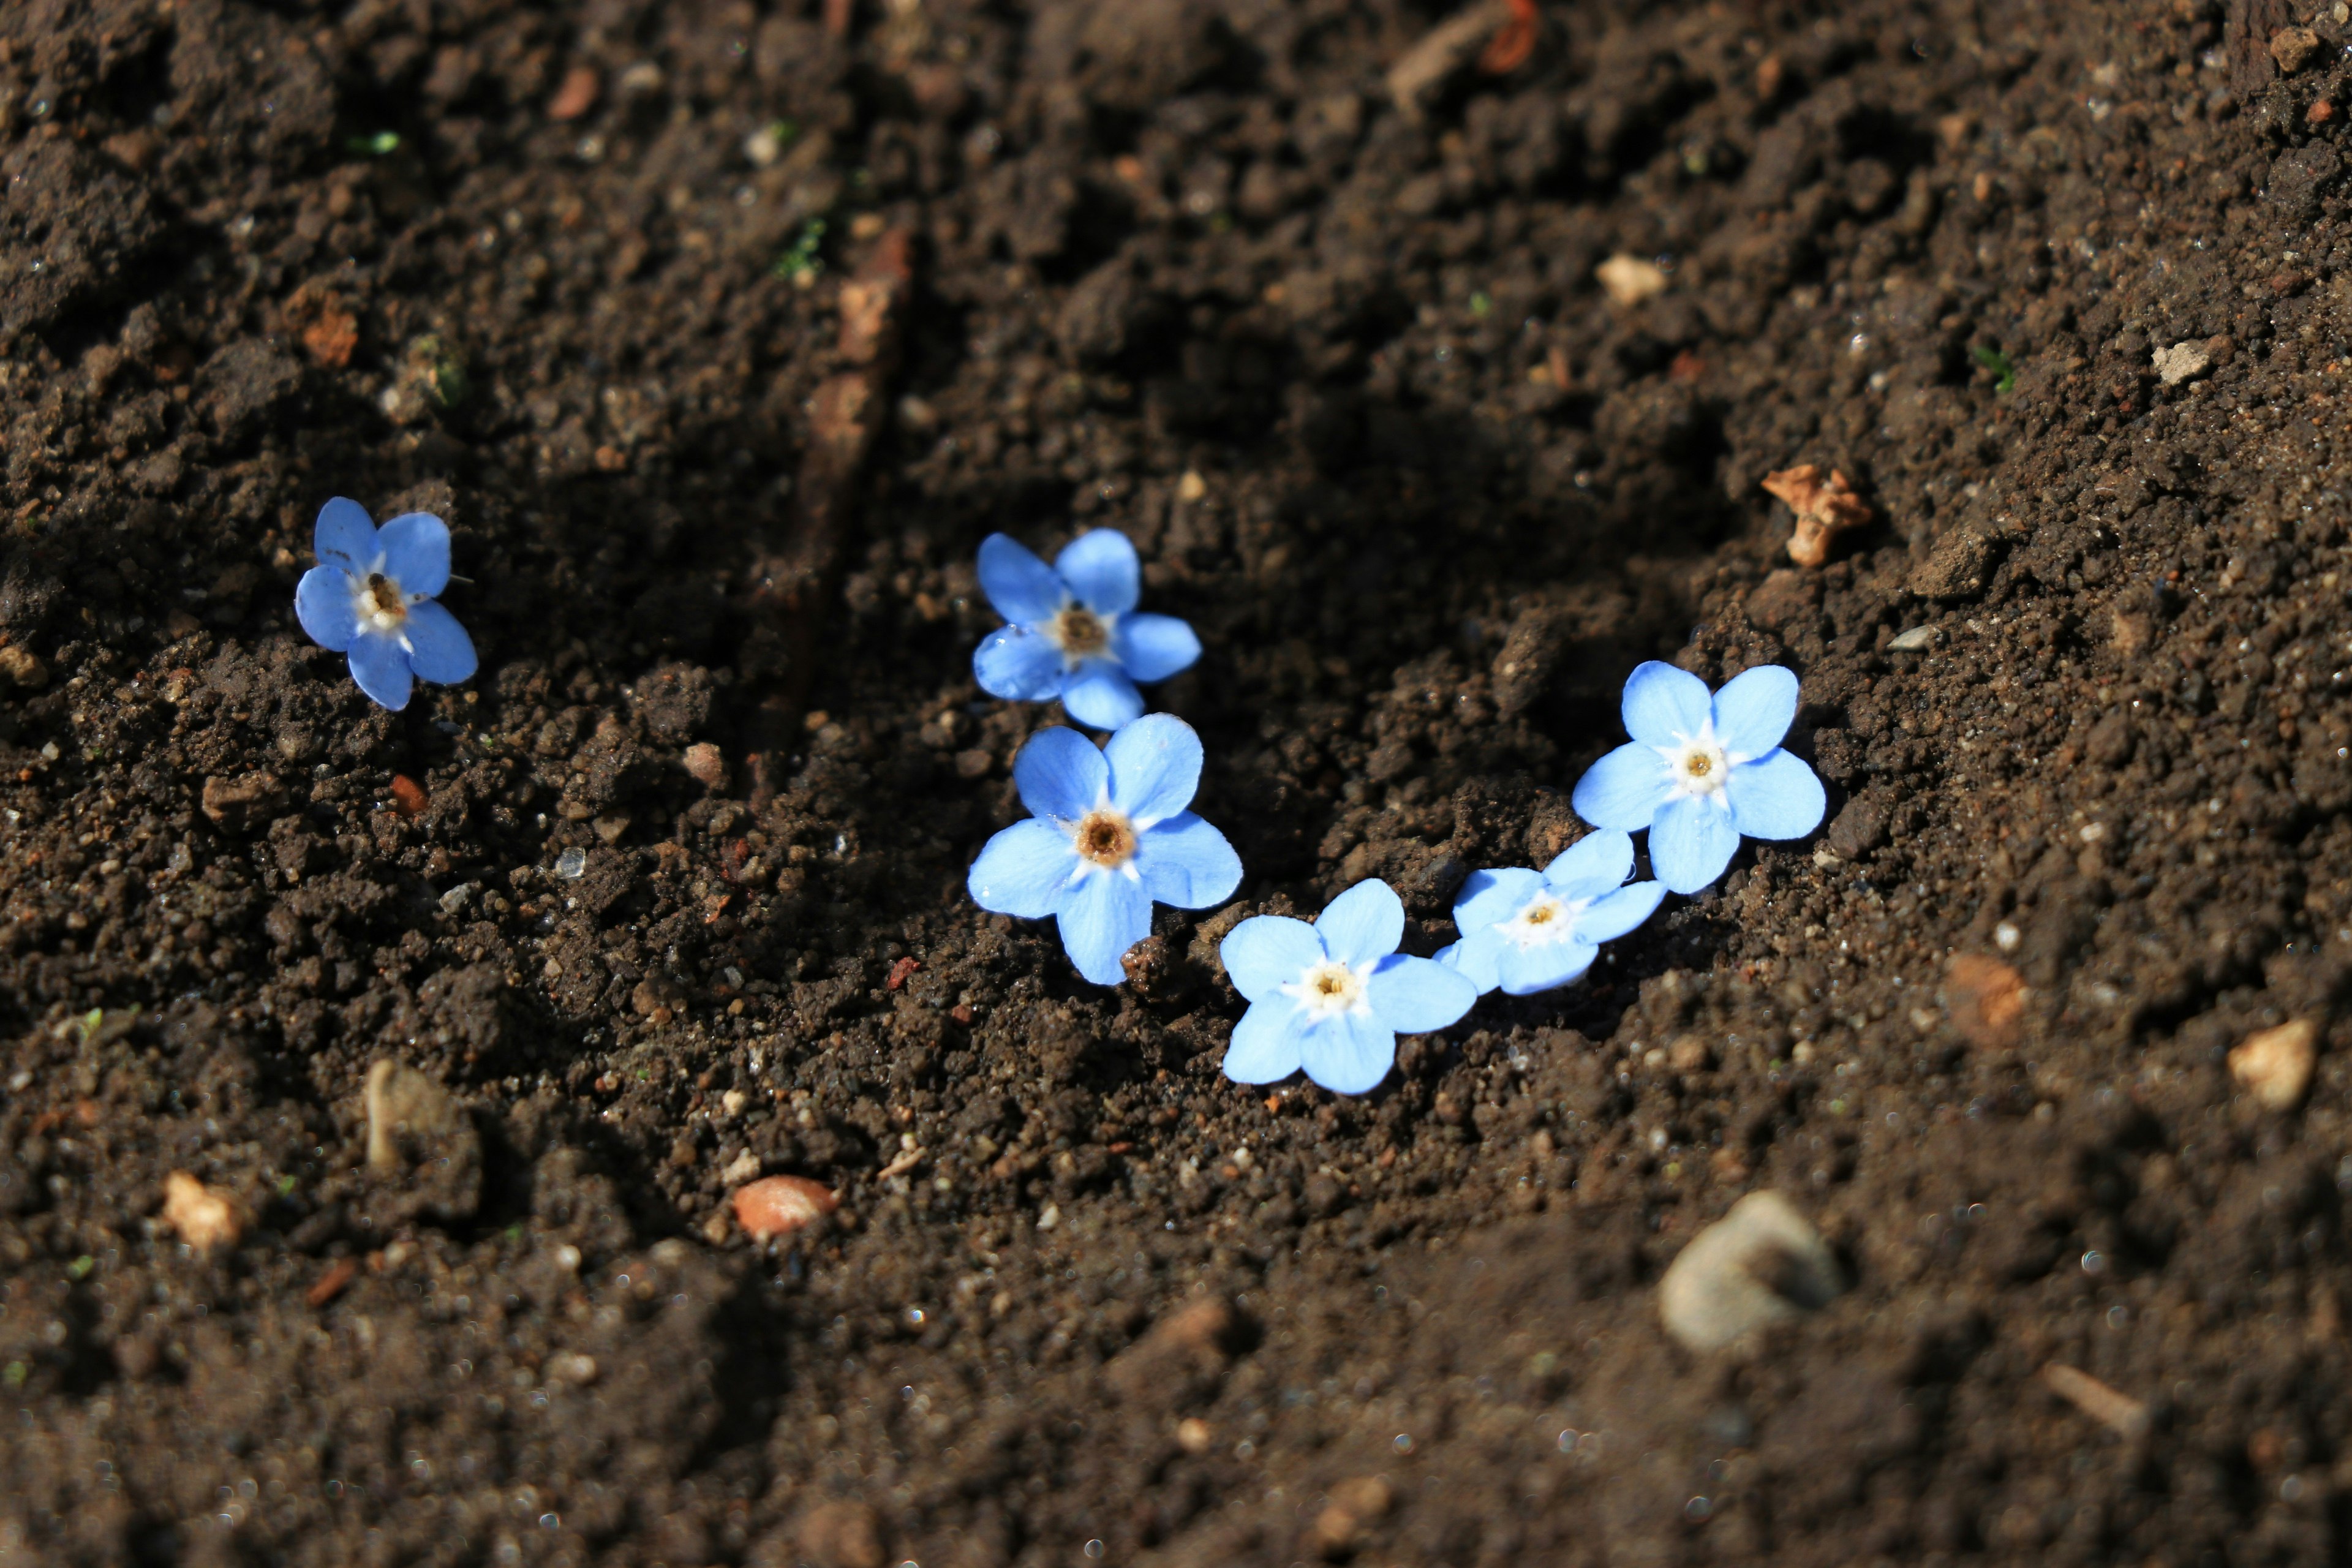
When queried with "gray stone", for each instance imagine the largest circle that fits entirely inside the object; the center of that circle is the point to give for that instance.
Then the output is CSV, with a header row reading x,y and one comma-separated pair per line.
x,y
1761,1264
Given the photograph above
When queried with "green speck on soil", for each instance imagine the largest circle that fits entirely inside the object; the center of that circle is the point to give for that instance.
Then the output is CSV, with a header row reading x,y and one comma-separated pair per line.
x,y
1999,365
286,1185
79,1269
1481,305
14,1375
381,144
801,264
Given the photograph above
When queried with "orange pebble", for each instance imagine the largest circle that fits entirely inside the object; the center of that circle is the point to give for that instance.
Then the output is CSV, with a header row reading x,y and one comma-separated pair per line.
x,y
774,1206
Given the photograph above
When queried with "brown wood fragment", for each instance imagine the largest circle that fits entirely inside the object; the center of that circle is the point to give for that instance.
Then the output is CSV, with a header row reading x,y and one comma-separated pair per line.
x,y
1825,507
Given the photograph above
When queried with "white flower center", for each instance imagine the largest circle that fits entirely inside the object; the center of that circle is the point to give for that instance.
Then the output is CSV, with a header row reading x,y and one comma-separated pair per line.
x,y
1697,766
378,602
1104,841
1541,922
1079,632
1328,989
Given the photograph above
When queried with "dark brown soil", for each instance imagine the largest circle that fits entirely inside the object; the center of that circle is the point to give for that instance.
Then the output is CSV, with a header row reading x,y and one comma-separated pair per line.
x,y
1345,374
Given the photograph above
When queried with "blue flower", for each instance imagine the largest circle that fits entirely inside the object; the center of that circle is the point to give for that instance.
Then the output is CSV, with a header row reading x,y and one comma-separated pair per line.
x,y
1110,837
1333,996
372,594
1525,931
1701,772
1075,634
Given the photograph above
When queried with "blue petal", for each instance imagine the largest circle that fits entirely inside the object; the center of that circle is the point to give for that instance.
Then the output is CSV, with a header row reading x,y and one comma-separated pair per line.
x,y
1059,773
1266,952
1592,865
1024,871
1153,647
1491,896
1624,789
1524,971
416,546
1663,704
1754,710
1363,923
1023,589
346,536
1155,767
439,649
1690,843
1019,664
381,666
1186,862
1101,918
1414,995
1607,919
322,602
1474,958
1100,568
1264,1048
1351,1053
1775,796
1100,695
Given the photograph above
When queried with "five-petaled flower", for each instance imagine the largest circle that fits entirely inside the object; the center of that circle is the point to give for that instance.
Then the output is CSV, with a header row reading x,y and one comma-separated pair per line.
x,y
372,594
1333,996
1524,932
1701,772
1112,835
1075,631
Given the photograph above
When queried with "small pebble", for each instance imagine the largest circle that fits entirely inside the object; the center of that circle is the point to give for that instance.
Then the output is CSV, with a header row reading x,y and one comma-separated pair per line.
x,y
1917,640
775,1205
204,1218
706,764
1629,280
571,865
1760,1264
2183,361
2276,1064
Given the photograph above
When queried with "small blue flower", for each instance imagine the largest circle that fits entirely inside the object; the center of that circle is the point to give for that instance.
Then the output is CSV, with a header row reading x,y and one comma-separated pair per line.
x,y
1333,996
1701,772
1110,837
1075,634
1524,932
372,594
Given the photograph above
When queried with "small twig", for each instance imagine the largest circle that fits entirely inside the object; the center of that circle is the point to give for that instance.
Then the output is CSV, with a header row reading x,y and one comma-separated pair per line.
x,y
2109,1406
902,1164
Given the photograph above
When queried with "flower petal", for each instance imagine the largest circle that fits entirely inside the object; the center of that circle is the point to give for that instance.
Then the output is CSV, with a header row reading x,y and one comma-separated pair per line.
x,y
346,536
1024,871
1100,567
439,649
1775,796
1755,708
1624,789
1609,917
1264,1045
322,602
380,665
1363,923
1592,865
1663,704
1101,918
1100,695
416,546
1474,958
1153,647
1059,773
1186,862
1524,971
1268,952
1491,896
1350,1054
1690,844
1155,767
1414,995
1024,590
1018,665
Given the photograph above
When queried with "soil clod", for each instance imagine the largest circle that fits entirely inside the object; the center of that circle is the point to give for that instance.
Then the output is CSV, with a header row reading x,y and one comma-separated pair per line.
x,y
1761,1264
